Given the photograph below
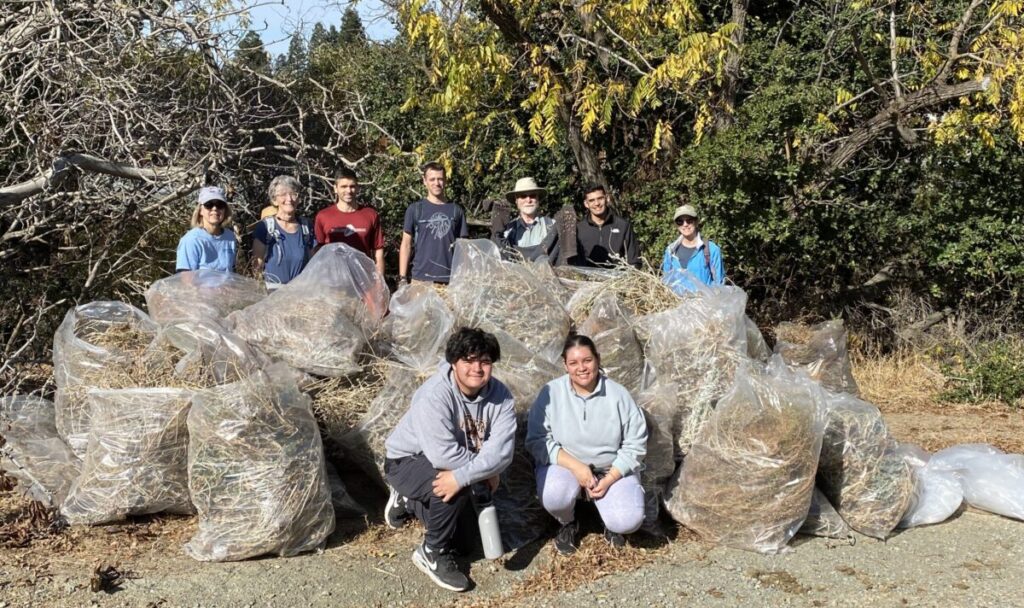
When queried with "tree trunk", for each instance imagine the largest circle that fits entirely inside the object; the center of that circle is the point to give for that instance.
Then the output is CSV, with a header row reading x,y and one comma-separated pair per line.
x,y
726,103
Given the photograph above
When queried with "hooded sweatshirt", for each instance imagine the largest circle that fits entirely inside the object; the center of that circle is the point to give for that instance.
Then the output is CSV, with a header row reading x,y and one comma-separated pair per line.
x,y
437,424
604,429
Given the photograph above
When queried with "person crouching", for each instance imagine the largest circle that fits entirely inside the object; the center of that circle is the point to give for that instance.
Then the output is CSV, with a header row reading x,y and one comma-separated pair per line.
x,y
586,434
459,430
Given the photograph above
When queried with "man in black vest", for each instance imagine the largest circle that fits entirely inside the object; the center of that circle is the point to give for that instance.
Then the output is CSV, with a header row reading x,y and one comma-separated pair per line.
x,y
603,238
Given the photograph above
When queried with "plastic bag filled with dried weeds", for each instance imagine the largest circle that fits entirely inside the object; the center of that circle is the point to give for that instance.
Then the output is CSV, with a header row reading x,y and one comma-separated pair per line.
x,y
516,298
659,463
521,517
697,347
201,295
136,460
823,519
821,351
95,340
749,478
610,326
937,492
364,445
321,322
210,355
256,470
33,454
861,469
418,326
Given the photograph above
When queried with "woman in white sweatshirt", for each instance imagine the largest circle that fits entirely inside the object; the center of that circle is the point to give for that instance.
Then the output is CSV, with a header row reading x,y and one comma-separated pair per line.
x,y
587,435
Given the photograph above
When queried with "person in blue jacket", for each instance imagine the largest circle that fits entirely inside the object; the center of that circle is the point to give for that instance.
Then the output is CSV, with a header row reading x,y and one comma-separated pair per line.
x,y
208,244
701,259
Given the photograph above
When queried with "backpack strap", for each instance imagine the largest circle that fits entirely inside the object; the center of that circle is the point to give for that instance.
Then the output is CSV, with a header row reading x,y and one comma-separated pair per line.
x,y
707,260
273,235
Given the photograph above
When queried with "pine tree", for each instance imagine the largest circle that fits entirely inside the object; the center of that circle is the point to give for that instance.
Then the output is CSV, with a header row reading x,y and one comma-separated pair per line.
x,y
297,59
318,38
251,52
352,31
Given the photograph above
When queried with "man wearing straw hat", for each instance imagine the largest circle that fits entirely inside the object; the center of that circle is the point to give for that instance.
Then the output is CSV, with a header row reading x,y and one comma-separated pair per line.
x,y
533,235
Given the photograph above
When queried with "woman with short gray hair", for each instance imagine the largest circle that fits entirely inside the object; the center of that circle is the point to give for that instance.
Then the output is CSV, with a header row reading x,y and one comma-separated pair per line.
x,y
282,243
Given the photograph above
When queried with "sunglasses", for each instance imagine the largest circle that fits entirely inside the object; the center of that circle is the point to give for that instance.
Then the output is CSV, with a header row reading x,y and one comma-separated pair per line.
x,y
686,220
215,205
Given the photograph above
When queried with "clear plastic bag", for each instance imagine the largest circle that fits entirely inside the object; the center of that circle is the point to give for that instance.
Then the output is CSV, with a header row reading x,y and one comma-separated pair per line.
x,y
757,348
521,517
611,329
861,469
136,460
697,347
418,326
937,493
749,478
344,505
321,322
33,454
991,480
202,295
659,463
364,445
212,355
823,519
256,470
519,299
94,340
821,351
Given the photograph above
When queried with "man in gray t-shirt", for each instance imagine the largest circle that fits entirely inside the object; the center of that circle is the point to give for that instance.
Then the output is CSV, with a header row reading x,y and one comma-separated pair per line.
x,y
429,231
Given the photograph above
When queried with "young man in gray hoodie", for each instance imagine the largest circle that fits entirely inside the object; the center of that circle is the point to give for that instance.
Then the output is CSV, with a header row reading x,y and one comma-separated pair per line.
x,y
459,430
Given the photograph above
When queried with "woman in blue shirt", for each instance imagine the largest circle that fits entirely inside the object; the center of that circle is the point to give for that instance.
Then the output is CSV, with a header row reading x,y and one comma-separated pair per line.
x,y
702,259
282,243
208,244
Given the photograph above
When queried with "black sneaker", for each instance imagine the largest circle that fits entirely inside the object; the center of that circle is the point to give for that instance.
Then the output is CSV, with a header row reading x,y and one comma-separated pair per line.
x,y
614,539
440,567
396,512
567,540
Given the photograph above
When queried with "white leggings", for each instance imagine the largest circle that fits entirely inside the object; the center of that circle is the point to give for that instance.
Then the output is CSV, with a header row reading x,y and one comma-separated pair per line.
x,y
621,508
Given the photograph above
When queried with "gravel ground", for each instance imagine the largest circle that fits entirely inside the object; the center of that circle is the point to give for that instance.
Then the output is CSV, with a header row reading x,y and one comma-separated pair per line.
x,y
976,559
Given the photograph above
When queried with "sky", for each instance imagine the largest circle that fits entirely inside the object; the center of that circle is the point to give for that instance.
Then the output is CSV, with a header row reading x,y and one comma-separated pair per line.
x,y
276,20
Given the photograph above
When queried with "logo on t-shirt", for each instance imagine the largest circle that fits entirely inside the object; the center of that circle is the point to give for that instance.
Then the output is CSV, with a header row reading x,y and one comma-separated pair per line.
x,y
440,225
348,230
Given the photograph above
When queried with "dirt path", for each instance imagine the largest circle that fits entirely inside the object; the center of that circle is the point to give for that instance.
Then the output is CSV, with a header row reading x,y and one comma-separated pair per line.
x,y
976,559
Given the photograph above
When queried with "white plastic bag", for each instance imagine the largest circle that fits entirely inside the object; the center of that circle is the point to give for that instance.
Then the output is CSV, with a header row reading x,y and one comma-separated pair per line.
x,y
136,458
93,340
937,493
33,453
321,321
202,295
749,479
991,479
256,470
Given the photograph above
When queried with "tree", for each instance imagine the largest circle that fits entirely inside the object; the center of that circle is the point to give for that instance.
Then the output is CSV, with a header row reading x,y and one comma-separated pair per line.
x,y
318,38
251,52
351,31
297,59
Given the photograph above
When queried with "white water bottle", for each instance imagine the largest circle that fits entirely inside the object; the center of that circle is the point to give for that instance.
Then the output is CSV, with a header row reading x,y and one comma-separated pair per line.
x,y
487,519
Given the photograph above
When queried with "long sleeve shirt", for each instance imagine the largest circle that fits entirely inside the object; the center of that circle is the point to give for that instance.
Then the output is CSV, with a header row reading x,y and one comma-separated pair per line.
x,y
603,429
600,245
439,425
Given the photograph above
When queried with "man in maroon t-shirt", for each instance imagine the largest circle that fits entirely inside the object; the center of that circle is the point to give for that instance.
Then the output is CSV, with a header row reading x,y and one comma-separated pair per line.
x,y
349,222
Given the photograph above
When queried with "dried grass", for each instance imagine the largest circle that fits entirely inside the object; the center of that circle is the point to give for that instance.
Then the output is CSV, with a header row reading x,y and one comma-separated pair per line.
x,y
641,291
339,403
860,470
821,350
901,382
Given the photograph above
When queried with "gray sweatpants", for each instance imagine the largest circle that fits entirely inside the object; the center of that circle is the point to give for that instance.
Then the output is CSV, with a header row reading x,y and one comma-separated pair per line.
x,y
621,508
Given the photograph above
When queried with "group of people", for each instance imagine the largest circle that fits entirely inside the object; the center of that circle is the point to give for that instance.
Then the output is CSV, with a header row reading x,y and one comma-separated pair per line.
x,y
587,437
283,242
